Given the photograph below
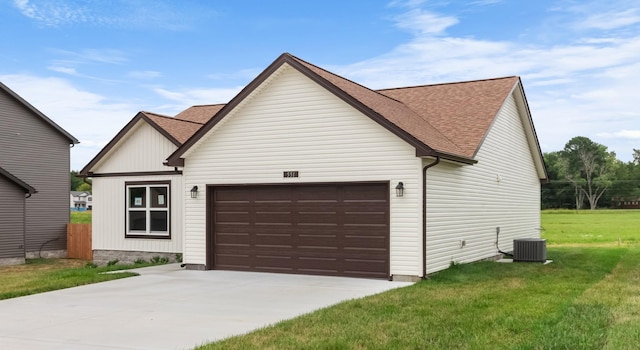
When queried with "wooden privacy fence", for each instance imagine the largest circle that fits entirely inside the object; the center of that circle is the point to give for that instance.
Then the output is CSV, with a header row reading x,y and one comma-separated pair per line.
x,y
79,241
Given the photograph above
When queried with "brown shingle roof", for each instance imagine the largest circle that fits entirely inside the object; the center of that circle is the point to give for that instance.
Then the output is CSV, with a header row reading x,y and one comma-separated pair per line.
x,y
462,112
199,114
392,110
447,120
180,130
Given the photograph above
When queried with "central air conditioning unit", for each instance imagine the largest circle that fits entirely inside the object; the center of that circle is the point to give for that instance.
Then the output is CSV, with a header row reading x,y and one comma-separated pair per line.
x,y
530,249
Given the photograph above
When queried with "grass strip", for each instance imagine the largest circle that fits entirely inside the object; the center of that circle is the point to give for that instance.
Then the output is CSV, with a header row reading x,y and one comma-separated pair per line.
x,y
43,275
484,305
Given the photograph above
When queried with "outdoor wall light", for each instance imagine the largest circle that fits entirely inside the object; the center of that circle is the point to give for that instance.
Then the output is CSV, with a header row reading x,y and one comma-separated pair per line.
x,y
400,189
194,192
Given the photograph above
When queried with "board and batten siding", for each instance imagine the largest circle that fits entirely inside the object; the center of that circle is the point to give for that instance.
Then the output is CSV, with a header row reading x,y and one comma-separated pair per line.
x,y
12,203
109,211
290,123
143,149
38,154
469,202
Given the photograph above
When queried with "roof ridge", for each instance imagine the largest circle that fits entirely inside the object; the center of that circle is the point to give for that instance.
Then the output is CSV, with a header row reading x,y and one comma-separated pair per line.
x,y
447,83
341,77
156,114
209,105
170,117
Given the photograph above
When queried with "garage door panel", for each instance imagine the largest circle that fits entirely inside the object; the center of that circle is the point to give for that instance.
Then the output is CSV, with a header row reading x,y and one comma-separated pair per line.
x,y
231,196
318,240
226,237
365,219
366,243
272,218
319,218
270,194
365,192
233,218
326,229
325,194
233,262
279,239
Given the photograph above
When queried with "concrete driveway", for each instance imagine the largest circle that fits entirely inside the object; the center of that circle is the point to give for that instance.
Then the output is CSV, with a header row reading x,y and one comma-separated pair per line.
x,y
169,308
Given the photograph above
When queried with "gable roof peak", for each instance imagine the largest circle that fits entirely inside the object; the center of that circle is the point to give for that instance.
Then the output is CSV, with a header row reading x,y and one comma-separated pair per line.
x,y
58,128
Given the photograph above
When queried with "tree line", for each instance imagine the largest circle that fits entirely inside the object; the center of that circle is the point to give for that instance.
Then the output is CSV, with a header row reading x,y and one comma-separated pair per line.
x,y
585,174
77,183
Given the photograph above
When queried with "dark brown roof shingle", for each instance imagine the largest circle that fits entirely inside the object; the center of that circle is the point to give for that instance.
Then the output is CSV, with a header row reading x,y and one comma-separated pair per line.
x,y
463,112
199,114
180,130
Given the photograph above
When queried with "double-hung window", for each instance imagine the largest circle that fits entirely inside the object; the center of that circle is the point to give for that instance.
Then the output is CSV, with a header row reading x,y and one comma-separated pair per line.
x,y
148,210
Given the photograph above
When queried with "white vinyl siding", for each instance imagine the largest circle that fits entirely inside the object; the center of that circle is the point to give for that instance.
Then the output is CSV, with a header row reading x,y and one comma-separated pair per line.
x,y
109,215
143,149
469,202
296,125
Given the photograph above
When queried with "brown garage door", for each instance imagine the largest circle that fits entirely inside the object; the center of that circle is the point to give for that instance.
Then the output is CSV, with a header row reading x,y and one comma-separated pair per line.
x,y
328,229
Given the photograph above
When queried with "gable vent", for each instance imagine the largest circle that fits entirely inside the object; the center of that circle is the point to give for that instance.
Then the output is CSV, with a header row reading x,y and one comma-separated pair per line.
x,y
530,249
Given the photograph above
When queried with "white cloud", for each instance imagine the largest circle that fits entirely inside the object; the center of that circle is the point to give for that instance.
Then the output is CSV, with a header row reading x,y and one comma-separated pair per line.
x,y
611,20
109,56
586,85
625,134
424,22
51,13
191,97
163,14
65,70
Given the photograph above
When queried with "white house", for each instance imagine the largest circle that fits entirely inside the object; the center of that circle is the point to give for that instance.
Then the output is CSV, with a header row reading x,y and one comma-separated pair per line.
x,y
80,200
127,224
307,172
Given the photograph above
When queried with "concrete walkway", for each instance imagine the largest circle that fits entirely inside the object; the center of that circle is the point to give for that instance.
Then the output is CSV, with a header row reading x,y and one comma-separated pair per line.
x,y
169,308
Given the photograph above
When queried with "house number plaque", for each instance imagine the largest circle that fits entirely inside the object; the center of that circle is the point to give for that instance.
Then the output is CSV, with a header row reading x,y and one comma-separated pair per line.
x,y
290,174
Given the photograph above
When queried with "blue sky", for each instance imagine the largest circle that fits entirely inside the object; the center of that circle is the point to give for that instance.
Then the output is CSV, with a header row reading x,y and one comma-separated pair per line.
x,y
91,65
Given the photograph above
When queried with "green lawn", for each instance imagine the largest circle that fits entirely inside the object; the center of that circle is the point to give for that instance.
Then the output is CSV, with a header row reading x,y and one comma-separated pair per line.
x,y
81,217
588,298
591,227
43,275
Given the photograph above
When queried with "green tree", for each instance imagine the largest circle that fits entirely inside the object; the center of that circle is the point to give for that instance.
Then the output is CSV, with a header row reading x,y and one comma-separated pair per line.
x,y
84,187
75,180
636,156
627,182
589,167
558,192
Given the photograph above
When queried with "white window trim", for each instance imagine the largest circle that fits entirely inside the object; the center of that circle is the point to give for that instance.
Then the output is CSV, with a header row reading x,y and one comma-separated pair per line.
x,y
147,209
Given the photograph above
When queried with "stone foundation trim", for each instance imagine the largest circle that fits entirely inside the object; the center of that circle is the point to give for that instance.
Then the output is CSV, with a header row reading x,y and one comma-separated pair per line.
x,y
12,261
102,257
47,254
405,278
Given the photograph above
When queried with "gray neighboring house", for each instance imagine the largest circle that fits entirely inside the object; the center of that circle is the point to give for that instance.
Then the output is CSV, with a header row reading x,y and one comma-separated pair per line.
x,y
34,158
